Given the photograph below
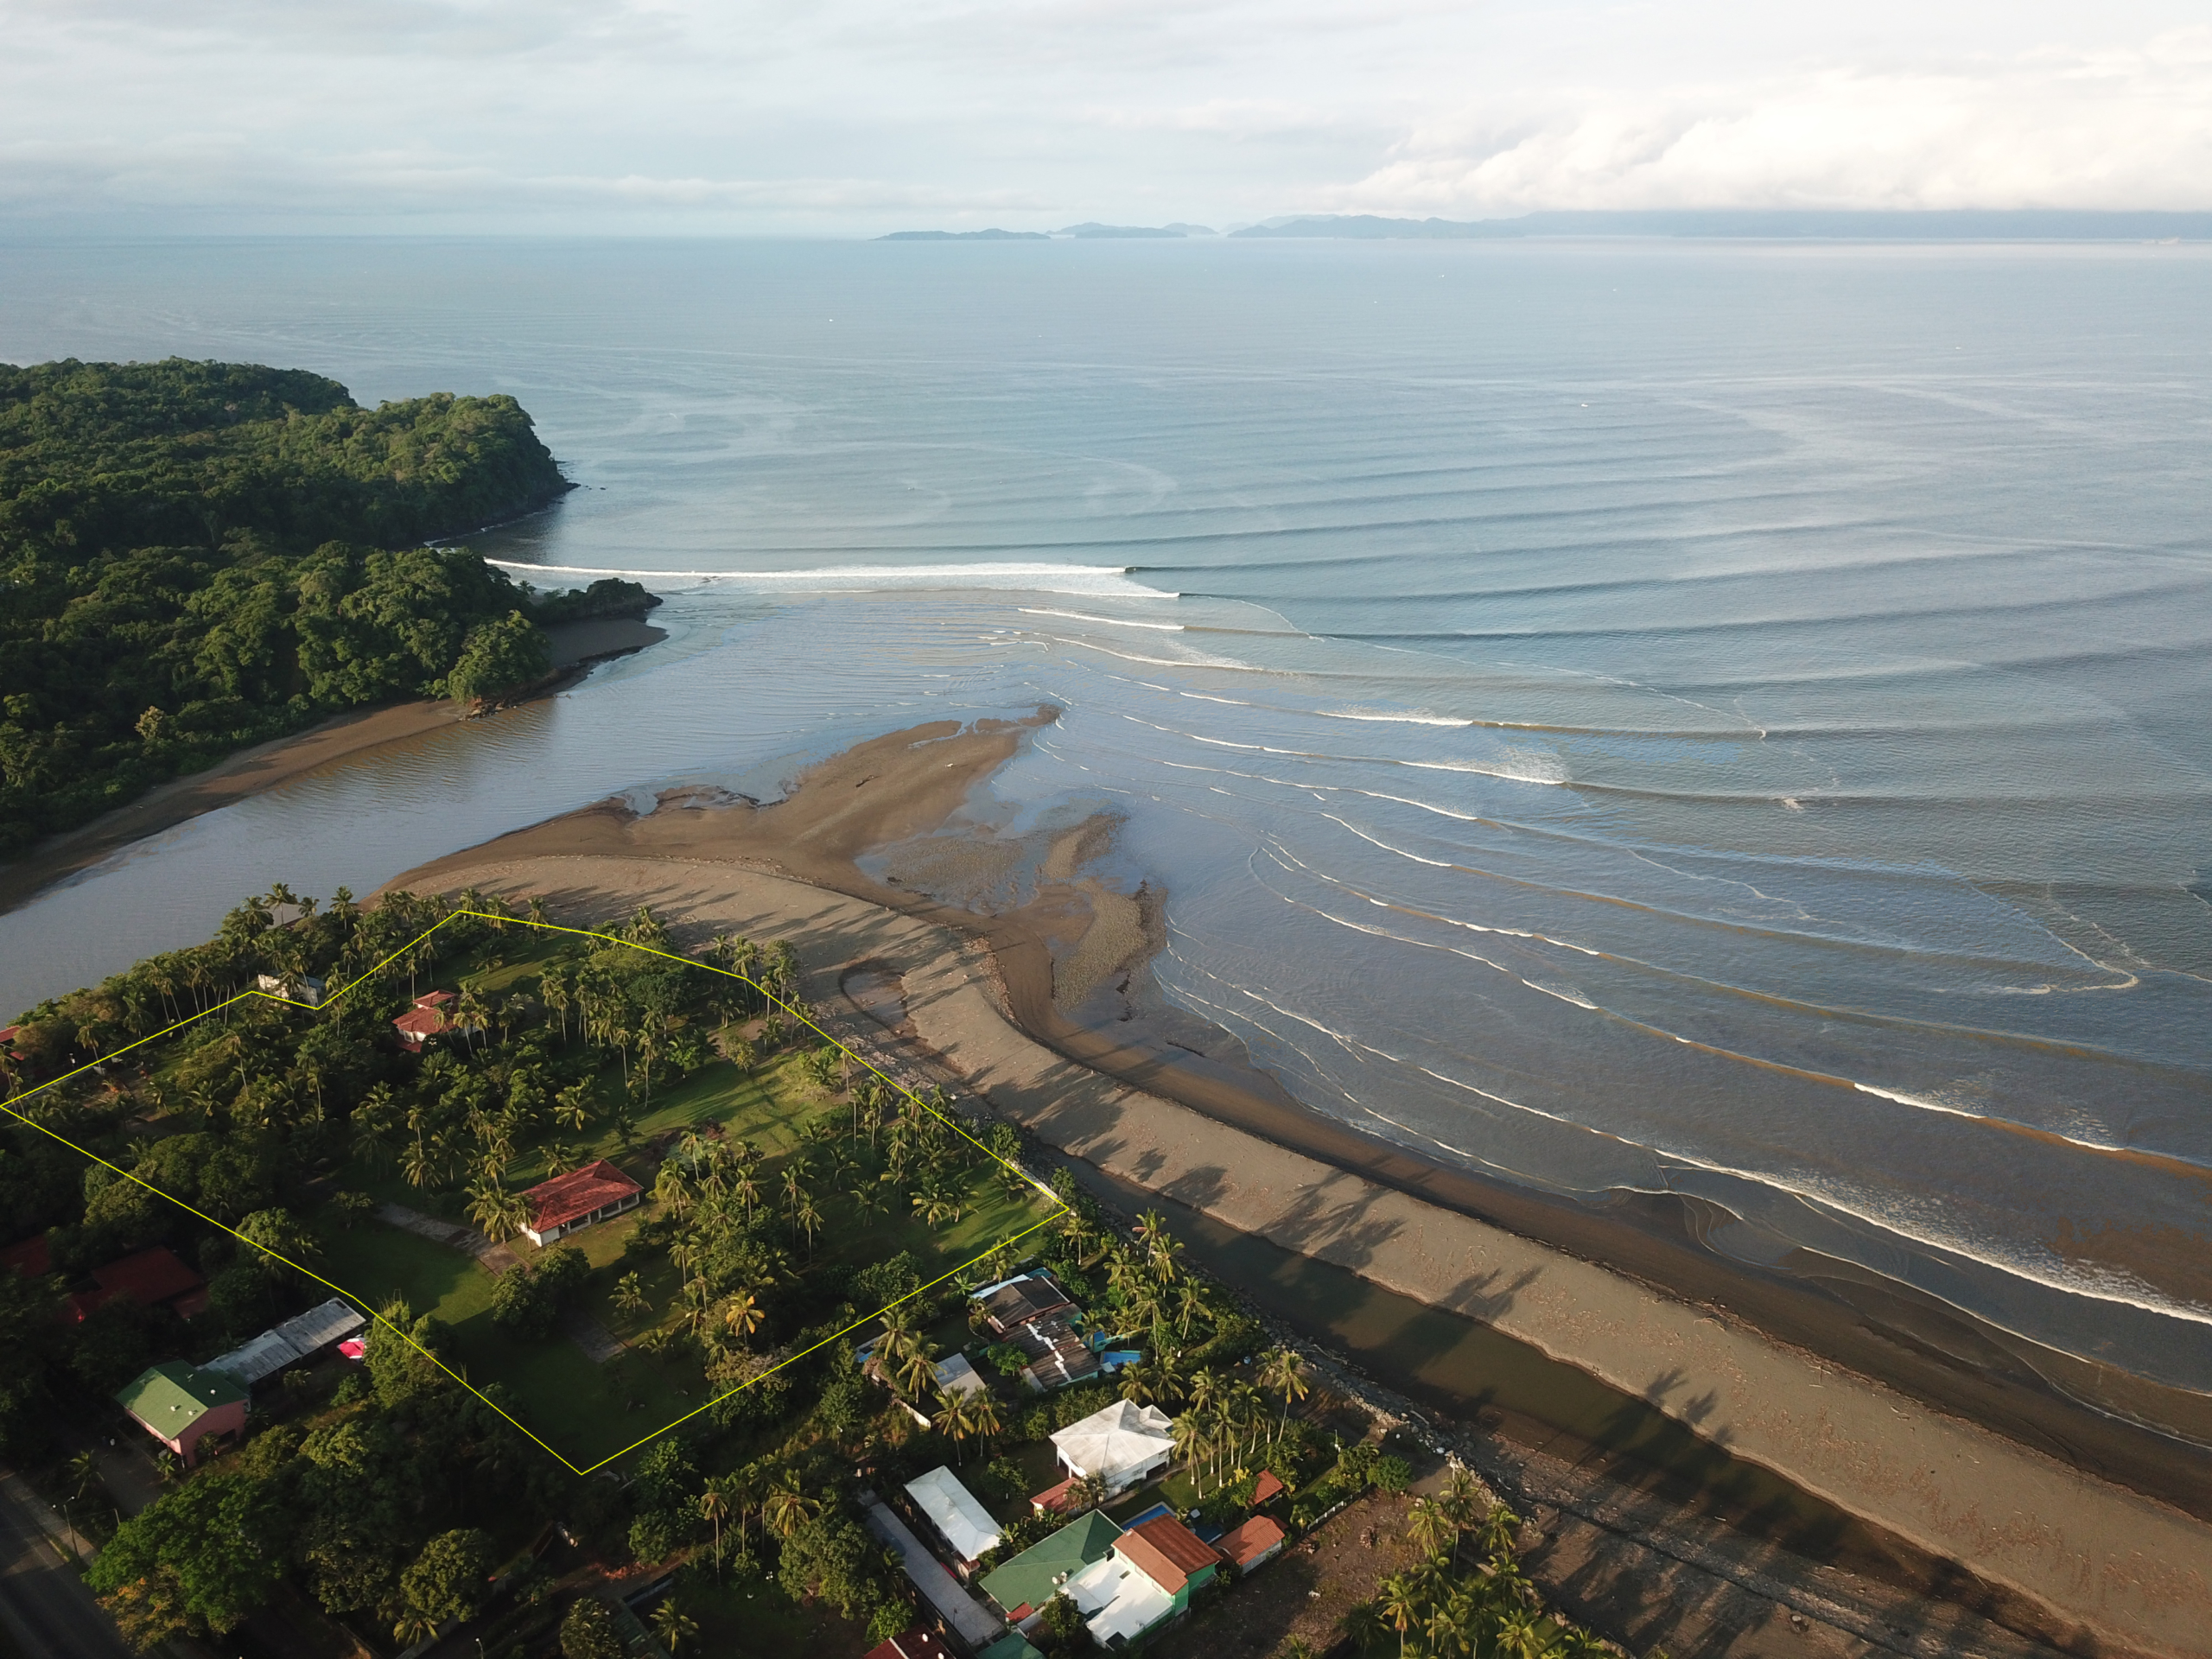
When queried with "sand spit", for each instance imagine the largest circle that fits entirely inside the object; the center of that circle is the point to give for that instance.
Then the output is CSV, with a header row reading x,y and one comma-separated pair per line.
x,y
2105,1564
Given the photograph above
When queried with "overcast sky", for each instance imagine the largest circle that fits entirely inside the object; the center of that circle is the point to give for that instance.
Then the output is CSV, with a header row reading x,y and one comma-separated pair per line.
x,y
854,116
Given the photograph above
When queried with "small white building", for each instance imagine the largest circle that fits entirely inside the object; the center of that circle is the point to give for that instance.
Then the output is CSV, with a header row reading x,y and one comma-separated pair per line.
x,y
955,1374
306,988
964,1525
1123,1446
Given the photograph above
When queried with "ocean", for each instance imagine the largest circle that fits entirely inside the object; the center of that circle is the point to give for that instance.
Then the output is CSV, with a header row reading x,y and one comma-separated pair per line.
x,y
1623,716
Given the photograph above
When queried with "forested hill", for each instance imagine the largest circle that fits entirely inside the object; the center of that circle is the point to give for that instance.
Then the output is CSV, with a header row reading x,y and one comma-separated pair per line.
x,y
195,557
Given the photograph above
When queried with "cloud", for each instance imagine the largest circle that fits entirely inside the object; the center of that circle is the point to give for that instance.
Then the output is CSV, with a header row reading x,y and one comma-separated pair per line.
x,y
2047,129
855,116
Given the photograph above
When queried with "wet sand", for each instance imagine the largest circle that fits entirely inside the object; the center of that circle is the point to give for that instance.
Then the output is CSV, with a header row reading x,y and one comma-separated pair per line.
x,y
1900,1432
576,646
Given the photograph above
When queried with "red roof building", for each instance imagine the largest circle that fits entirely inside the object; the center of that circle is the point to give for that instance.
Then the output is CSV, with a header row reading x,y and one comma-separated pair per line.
x,y
151,1278
1265,1487
915,1644
429,1018
28,1258
1167,1552
569,1202
1259,1539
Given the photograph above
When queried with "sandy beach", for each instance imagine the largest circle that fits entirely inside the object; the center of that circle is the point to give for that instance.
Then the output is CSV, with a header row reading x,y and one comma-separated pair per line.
x,y
576,646
2075,1521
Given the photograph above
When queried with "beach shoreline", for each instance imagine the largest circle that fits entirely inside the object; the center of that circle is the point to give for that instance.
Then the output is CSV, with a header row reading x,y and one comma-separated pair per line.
x,y
2025,1489
577,646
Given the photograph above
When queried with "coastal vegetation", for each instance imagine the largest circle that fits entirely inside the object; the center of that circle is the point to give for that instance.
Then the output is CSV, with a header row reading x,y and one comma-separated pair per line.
x,y
197,557
790,1193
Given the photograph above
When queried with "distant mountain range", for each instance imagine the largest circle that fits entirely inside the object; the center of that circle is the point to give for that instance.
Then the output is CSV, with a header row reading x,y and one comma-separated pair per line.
x,y
1962,225
965,236
1094,229
1087,231
2056,225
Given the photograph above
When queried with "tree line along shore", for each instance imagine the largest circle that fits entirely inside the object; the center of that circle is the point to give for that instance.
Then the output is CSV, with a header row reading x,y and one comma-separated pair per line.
x,y
197,557
791,1192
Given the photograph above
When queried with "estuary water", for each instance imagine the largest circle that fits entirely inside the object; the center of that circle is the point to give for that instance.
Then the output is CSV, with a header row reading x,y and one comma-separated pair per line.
x,y
1725,719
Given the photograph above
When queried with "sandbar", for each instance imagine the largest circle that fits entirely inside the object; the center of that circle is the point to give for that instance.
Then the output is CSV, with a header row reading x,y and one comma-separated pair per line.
x,y
2080,1517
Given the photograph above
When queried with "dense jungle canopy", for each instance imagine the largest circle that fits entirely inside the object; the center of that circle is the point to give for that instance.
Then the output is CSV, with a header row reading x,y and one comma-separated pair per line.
x,y
196,556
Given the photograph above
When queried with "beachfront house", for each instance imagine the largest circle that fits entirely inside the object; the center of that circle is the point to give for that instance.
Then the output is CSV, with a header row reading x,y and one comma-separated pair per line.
x,y
1034,1314
962,1525
182,1405
568,1203
1122,1445
300,1338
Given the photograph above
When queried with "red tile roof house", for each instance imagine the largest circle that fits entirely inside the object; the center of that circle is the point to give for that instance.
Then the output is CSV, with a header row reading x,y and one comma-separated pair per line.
x,y
1259,1539
152,1278
569,1202
429,1018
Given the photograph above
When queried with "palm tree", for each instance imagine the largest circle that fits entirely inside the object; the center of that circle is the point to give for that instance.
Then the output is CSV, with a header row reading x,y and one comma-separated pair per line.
x,y
786,1507
1283,1374
1364,1624
1521,1634
418,1165
1400,1600
630,1294
745,1189
499,1213
955,1418
670,1623
808,1221
741,1315
1499,1531
560,1158
713,1508
1430,1527
1193,1439
671,1189
914,1362
570,1109
413,1626
470,1015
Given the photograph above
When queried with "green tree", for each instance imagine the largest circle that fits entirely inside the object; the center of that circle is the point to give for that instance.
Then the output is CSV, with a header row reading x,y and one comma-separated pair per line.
x,y
673,1626
202,1556
451,1577
587,1631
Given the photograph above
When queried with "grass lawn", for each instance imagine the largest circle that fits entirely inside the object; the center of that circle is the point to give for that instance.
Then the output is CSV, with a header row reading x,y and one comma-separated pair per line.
x,y
738,1614
585,1411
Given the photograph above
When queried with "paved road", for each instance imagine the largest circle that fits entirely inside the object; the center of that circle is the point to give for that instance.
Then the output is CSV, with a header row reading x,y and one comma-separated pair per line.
x,y
43,1604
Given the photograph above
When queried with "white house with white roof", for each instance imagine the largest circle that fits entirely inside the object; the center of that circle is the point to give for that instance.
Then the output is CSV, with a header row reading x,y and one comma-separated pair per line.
x,y
950,1507
1124,1445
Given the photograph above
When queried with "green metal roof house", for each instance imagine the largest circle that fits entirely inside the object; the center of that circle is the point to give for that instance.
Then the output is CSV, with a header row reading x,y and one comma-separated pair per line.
x,y
181,1405
1023,1585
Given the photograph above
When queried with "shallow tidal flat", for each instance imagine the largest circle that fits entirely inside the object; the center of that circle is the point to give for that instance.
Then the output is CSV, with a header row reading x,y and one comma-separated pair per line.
x,y
2089,1551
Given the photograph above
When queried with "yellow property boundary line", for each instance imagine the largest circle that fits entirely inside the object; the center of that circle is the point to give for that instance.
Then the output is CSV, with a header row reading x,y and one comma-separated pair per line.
x,y
1059,1206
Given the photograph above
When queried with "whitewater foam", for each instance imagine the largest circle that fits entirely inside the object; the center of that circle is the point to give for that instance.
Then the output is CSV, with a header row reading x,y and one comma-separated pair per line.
x,y
1092,581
